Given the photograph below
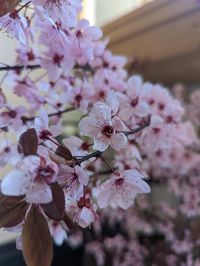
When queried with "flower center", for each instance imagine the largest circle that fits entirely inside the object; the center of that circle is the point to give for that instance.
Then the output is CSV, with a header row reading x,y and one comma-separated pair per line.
x,y
57,59
12,114
85,145
108,131
119,181
45,173
84,203
78,99
156,130
45,134
7,149
134,102
161,106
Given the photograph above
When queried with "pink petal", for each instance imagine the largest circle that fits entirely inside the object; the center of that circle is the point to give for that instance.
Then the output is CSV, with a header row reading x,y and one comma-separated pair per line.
x,y
83,178
93,33
103,198
134,178
102,113
101,142
142,109
86,128
118,141
15,183
39,193
86,217
125,202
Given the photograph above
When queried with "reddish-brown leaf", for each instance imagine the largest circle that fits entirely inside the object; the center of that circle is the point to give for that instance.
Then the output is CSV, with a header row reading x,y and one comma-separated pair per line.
x,y
12,210
36,240
28,142
55,209
69,223
64,152
56,159
7,6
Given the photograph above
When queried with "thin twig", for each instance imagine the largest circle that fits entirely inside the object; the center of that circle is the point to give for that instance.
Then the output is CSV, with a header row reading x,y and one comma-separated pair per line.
x,y
136,130
20,67
87,157
26,119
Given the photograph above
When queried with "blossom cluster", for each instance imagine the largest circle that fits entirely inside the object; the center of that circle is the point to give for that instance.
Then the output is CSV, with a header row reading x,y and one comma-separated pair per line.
x,y
61,179
162,230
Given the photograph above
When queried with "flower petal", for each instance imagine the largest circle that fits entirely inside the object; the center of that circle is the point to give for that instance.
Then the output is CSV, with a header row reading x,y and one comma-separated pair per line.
x,y
118,141
86,128
39,194
103,198
86,217
101,142
15,183
83,178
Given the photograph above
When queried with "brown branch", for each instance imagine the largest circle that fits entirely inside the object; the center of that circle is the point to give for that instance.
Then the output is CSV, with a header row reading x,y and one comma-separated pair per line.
x,y
59,113
18,68
87,157
136,130
105,172
32,67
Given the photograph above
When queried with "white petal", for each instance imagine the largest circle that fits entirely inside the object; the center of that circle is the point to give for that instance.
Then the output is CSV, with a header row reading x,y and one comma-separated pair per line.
x,y
40,193
156,121
102,113
94,32
72,142
83,178
103,198
141,109
101,142
125,202
56,129
59,236
86,128
118,141
4,121
125,113
15,183
118,125
134,178
134,85
39,125
86,217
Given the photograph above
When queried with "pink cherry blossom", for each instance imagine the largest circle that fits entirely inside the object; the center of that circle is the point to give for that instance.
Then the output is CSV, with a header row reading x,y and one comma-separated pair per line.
x,y
61,65
103,128
11,117
65,11
8,153
31,178
83,215
73,180
42,126
134,102
76,146
15,25
58,233
122,189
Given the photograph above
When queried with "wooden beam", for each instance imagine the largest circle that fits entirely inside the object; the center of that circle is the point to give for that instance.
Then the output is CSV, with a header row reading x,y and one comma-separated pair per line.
x,y
161,32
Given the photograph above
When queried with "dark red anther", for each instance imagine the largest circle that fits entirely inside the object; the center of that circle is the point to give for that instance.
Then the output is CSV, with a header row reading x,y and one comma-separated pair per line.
x,y
108,131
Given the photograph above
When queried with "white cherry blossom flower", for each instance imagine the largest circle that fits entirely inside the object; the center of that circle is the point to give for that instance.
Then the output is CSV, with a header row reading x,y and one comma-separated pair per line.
x,y
105,129
122,189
